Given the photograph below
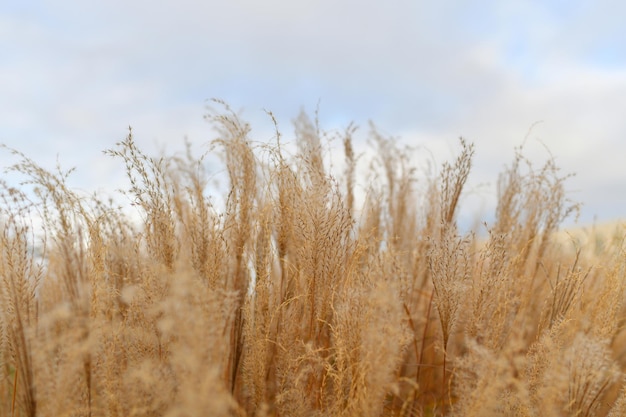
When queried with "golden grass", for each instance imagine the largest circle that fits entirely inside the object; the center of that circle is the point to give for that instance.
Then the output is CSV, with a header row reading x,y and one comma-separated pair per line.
x,y
294,301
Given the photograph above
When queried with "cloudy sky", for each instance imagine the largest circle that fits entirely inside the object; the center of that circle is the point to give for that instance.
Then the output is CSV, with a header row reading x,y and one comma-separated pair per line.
x,y
74,74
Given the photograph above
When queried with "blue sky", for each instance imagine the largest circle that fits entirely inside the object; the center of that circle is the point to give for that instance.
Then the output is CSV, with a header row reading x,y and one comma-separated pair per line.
x,y
75,74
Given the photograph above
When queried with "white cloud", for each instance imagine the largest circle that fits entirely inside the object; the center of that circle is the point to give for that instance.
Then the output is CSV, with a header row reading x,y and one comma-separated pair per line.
x,y
74,74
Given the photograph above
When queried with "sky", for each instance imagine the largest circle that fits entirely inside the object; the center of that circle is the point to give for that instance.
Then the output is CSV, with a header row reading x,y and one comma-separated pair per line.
x,y
550,74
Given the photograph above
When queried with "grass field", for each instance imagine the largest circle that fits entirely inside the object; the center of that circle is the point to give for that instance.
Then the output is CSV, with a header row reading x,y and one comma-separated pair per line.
x,y
305,295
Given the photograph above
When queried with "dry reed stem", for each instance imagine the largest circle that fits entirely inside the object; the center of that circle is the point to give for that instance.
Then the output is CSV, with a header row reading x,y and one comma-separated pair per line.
x,y
295,299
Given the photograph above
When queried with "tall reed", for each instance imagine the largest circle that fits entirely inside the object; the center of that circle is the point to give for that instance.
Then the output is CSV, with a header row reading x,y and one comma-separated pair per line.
x,y
306,290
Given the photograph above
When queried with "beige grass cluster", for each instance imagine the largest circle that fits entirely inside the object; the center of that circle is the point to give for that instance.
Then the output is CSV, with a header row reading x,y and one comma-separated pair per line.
x,y
293,301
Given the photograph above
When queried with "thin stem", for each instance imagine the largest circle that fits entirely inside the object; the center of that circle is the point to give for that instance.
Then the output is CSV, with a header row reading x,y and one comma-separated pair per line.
x,y
14,393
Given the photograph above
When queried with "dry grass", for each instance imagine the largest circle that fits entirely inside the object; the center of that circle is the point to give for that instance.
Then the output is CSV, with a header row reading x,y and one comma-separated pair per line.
x,y
297,300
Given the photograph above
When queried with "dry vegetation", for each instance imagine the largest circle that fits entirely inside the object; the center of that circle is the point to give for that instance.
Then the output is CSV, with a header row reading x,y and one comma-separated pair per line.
x,y
292,301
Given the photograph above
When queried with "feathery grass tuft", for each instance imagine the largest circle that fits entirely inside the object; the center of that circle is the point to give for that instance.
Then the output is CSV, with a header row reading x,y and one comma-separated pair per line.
x,y
309,292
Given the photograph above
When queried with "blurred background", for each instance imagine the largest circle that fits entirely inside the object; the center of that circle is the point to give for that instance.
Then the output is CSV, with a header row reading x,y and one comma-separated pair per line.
x,y
547,74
